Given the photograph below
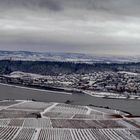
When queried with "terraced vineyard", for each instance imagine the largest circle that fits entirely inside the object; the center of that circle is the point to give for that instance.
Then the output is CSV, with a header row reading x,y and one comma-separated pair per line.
x,y
7,133
69,109
64,122
58,115
25,134
37,123
16,122
31,106
52,134
69,123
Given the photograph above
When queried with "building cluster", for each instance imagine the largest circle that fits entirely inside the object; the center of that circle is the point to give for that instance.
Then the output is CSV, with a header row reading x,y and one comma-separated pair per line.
x,y
107,81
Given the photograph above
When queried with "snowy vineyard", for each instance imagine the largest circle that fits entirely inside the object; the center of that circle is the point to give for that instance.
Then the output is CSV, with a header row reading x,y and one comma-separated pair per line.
x,y
15,133
18,121
65,123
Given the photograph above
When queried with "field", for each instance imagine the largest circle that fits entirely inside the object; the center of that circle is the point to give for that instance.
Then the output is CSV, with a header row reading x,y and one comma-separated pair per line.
x,y
37,123
31,106
25,134
64,122
69,109
9,133
82,124
17,114
8,103
55,134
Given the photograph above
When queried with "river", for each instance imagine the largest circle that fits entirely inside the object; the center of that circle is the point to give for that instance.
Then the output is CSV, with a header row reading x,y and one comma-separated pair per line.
x,y
17,93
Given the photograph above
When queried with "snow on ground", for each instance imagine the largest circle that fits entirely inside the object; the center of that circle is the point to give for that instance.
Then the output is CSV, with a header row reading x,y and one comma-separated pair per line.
x,y
129,73
19,74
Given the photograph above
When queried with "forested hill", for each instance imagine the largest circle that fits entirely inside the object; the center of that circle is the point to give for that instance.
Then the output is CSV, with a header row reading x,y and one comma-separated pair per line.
x,y
52,68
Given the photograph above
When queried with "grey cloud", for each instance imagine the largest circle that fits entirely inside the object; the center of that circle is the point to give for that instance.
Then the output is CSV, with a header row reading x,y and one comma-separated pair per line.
x,y
62,25
53,5
126,7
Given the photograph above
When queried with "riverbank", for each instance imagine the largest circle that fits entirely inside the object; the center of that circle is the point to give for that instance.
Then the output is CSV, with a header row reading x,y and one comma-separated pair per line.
x,y
17,93
35,89
109,95
69,91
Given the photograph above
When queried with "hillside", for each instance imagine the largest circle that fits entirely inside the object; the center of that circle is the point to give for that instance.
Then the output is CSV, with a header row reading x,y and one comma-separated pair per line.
x,y
54,68
28,120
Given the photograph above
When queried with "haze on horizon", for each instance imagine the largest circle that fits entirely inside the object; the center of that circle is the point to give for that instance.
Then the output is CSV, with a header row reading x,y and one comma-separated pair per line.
x,y
82,26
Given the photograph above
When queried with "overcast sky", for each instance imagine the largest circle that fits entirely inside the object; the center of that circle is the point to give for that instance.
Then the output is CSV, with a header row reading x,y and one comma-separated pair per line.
x,y
85,26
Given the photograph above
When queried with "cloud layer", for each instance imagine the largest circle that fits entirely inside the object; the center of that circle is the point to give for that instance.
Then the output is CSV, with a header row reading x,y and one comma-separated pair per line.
x,y
87,26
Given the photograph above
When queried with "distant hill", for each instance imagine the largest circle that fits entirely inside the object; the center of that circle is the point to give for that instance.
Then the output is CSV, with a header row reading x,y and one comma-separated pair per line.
x,y
64,57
